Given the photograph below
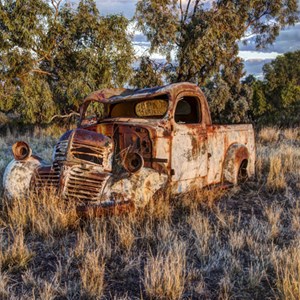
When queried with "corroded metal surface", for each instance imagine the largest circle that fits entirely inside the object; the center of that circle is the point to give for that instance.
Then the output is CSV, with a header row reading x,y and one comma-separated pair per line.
x,y
18,175
119,157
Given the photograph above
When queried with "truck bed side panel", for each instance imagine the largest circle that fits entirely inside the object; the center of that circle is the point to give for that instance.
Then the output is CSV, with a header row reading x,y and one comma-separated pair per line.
x,y
220,138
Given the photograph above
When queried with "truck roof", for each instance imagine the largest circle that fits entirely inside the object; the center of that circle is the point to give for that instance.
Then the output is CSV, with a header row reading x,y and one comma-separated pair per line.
x,y
119,94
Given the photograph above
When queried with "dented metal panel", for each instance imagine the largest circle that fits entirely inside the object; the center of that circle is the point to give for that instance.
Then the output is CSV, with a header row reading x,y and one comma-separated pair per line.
x,y
114,163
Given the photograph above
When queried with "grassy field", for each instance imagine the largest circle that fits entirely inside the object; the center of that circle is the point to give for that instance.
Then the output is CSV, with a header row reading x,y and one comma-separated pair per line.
x,y
243,243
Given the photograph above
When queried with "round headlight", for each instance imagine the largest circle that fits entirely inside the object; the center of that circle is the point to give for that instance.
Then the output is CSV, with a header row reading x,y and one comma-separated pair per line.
x,y
21,151
133,162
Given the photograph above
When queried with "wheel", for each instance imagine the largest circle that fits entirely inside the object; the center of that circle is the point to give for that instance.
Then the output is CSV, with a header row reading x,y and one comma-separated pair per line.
x,y
242,173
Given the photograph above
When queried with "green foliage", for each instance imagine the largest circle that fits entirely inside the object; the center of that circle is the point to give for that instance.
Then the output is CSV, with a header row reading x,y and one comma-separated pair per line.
x,y
149,74
260,105
53,54
35,101
276,99
52,50
229,98
282,87
204,39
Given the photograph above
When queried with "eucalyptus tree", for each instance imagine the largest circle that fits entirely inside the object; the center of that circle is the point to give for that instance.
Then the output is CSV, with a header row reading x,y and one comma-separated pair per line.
x,y
282,89
201,37
148,74
22,27
53,54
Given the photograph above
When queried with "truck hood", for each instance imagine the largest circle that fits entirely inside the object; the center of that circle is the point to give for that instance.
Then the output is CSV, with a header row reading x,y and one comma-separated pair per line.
x,y
84,146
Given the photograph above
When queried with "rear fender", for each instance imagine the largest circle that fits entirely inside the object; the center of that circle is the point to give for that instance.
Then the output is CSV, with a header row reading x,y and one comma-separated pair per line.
x,y
236,154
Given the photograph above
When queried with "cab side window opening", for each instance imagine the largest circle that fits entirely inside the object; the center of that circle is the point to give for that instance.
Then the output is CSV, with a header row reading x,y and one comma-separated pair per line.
x,y
188,111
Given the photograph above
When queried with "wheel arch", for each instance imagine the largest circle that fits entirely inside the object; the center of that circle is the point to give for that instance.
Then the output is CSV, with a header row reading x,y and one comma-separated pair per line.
x,y
237,156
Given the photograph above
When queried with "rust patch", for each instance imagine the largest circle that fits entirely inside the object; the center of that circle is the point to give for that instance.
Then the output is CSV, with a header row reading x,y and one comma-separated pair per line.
x,y
21,151
92,211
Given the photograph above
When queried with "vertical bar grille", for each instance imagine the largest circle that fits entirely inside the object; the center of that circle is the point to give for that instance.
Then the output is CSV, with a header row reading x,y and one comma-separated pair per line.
x,y
60,151
47,177
84,183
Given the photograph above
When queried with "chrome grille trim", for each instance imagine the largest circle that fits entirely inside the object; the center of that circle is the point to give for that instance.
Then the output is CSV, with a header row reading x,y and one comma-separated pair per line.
x,y
84,183
47,177
60,150
94,155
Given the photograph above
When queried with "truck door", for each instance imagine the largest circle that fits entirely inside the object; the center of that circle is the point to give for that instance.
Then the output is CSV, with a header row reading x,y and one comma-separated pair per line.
x,y
189,141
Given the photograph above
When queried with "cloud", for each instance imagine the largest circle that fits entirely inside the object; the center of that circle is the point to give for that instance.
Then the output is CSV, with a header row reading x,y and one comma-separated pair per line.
x,y
124,7
257,56
127,7
287,41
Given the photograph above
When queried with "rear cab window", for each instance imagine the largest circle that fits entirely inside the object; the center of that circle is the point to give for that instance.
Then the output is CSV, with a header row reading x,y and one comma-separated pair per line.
x,y
188,111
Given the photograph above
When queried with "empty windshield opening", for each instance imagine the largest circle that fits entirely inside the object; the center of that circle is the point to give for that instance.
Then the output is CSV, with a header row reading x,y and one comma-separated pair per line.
x,y
142,108
94,112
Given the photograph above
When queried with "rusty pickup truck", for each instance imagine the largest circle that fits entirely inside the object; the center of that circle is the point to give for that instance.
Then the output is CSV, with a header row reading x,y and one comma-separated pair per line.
x,y
130,144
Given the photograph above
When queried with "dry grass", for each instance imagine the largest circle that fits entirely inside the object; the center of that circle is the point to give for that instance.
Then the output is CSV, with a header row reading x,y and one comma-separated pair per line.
x,y
209,244
43,214
276,179
287,267
15,255
269,135
4,281
92,275
164,273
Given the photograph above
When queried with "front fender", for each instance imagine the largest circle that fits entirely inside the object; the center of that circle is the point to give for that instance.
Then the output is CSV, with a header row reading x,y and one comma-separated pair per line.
x,y
138,188
17,177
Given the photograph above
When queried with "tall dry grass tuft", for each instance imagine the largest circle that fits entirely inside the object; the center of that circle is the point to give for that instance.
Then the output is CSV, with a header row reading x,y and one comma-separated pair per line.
x,y
202,233
4,288
100,237
94,236
290,158
269,135
237,240
276,178
92,275
16,255
164,274
44,214
291,133
296,218
226,287
125,236
273,214
287,266
46,290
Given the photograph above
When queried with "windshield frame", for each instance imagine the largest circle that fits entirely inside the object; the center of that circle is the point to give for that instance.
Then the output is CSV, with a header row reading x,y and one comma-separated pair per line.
x,y
111,103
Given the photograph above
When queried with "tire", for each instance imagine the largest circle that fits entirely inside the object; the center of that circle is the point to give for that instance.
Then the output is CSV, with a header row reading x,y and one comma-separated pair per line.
x,y
242,173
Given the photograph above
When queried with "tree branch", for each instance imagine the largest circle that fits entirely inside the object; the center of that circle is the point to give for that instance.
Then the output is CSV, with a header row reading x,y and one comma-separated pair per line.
x,y
40,72
73,113
187,10
195,7
56,5
181,11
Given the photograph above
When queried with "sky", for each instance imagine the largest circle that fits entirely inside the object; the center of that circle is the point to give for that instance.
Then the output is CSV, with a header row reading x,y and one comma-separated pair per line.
x,y
288,39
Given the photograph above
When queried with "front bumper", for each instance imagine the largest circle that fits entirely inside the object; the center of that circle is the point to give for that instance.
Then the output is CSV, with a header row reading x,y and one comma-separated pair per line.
x,y
109,208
